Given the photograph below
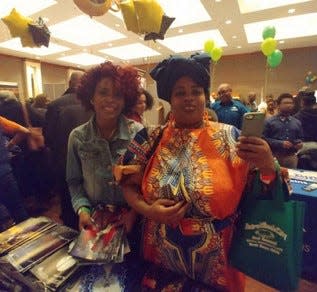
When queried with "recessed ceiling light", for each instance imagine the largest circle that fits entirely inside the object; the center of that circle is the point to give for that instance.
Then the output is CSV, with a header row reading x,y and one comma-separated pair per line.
x,y
24,7
247,6
228,21
193,41
84,31
15,45
185,12
281,42
83,59
301,26
239,47
234,36
218,0
292,10
180,30
132,51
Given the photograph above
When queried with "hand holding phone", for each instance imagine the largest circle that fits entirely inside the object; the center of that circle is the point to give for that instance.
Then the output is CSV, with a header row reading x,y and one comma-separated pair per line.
x,y
253,124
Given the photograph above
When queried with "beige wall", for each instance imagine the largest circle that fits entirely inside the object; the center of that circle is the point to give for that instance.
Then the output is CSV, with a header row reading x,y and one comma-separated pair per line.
x,y
247,72
244,72
11,70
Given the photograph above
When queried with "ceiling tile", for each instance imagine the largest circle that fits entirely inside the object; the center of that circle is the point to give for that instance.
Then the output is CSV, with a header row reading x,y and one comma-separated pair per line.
x,y
24,7
193,41
84,31
301,26
132,51
15,45
247,6
185,11
84,59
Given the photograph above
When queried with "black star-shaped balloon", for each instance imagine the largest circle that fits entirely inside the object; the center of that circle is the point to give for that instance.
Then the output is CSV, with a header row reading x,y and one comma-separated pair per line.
x,y
165,24
40,33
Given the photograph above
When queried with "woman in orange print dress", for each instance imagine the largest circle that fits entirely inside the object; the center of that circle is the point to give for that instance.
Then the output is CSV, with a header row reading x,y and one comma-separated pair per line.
x,y
193,173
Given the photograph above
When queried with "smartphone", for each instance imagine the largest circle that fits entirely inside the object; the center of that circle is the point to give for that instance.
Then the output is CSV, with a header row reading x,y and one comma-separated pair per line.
x,y
253,124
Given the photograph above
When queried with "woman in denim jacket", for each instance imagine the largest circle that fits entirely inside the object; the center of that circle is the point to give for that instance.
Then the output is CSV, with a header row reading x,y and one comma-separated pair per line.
x,y
94,147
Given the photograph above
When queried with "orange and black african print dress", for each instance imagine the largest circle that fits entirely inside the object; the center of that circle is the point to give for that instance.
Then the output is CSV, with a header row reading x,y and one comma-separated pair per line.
x,y
201,167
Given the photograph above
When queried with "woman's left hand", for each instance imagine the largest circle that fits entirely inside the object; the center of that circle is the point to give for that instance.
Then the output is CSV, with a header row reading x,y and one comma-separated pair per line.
x,y
127,219
256,151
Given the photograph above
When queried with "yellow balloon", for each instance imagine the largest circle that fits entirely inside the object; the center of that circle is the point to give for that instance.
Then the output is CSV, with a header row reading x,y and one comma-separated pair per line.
x,y
208,46
216,54
149,14
93,7
268,46
129,15
17,23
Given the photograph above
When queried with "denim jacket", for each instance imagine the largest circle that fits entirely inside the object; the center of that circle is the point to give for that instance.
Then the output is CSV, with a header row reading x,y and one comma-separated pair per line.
x,y
89,163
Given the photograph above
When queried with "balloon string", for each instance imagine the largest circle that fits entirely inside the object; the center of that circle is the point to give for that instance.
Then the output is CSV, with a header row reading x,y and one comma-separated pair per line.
x,y
266,77
213,75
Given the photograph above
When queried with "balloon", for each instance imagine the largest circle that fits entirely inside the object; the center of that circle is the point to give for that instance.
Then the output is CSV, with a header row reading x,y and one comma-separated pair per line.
x,y
216,54
208,46
93,7
18,26
310,78
166,23
129,15
268,46
149,15
268,32
40,33
275,58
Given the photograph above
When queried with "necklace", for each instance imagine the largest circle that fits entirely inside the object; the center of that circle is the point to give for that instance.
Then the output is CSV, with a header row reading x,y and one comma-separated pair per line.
x,y
106,135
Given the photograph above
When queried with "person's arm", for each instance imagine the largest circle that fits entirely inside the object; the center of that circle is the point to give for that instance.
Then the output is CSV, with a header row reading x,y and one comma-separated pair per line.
x,y
11,128
299,136
49,129
74,178
161,210
274,143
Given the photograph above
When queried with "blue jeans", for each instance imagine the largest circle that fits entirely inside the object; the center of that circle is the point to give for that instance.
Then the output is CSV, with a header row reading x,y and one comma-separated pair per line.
x,y
11,198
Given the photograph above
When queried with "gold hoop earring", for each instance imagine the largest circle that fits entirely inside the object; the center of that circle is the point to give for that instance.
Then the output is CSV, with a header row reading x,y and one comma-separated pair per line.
x,y
205,116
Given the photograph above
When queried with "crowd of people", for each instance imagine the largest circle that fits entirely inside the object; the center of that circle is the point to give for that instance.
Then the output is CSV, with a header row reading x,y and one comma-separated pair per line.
x,y
184,178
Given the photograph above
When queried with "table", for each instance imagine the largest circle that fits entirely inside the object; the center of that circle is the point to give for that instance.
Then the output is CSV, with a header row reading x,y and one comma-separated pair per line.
x,y
304,185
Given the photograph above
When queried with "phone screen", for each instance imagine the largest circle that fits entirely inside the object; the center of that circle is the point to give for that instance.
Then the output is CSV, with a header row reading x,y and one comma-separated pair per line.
x,y
253,124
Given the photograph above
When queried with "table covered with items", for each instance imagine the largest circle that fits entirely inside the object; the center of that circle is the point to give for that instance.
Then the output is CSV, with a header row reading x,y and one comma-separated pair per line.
x,y
304,188
41,255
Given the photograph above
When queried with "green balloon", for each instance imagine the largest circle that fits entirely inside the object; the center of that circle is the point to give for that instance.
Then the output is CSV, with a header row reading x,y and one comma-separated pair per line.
x,y
268,32
216,54
275,58
208,46
268,46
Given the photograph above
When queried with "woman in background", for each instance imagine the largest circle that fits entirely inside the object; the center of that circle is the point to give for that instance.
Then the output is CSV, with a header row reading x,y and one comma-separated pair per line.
x,y
144,103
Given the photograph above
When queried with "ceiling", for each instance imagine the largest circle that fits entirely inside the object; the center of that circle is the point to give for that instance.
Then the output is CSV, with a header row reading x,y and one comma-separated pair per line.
x,y
234,25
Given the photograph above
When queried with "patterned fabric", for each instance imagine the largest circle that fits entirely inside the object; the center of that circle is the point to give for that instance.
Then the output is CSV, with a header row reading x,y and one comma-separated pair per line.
x,y
201,167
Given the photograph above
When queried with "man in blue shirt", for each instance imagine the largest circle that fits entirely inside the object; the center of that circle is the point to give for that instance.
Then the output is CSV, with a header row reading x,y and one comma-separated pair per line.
x,y
284,133
229,111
